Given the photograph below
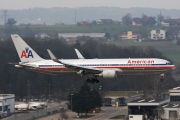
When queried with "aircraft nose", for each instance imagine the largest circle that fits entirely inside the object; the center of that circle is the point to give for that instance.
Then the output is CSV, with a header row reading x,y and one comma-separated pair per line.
x,y
174,67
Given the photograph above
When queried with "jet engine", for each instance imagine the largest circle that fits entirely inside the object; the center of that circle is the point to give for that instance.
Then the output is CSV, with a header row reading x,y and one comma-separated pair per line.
x,y
108,74
18,66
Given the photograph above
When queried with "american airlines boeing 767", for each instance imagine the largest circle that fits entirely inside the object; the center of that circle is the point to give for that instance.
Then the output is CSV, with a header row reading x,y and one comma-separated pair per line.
x,y
93,68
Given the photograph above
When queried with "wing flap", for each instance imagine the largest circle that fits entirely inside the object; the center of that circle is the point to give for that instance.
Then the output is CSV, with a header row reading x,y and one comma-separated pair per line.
x,y
85,70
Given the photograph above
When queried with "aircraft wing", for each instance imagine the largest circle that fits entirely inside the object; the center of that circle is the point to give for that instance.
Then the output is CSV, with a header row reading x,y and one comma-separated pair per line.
x,y
79,54
83,69
86,70
25,66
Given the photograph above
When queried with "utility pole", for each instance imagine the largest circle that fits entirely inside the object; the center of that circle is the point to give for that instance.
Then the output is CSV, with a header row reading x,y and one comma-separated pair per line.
x,y
5,17
49,91
9,88
75,16
28,85
71,101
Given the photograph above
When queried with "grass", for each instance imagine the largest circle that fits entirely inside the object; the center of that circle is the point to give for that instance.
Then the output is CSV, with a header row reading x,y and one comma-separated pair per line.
x,y
118,117
122,93
84,116
169,49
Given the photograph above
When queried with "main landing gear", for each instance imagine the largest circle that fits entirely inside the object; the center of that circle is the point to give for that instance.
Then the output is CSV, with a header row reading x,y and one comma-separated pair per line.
x,y
162,77
92,80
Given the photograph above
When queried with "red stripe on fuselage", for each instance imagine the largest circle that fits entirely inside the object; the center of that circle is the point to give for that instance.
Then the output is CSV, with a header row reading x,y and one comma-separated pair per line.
x,y
117,67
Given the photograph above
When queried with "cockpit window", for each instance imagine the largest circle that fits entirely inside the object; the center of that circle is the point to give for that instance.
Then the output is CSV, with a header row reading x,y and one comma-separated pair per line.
x,y
168,63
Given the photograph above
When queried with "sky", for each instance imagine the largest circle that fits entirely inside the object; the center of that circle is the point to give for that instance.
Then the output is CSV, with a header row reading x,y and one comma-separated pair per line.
x,y
25,4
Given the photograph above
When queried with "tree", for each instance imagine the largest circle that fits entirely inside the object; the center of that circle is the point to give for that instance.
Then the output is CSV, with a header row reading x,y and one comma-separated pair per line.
x,y
107,35
160,17
11,22
93,22
127,19
168,17
85,100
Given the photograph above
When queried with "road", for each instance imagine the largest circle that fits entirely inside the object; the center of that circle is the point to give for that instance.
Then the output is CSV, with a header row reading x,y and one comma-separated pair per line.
x,y
105,114
108,112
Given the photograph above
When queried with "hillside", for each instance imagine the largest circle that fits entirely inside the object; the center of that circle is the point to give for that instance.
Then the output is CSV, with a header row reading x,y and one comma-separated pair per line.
x,y
59,15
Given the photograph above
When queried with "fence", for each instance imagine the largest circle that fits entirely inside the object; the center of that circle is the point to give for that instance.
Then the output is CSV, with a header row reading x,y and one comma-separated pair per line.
x,y
31,115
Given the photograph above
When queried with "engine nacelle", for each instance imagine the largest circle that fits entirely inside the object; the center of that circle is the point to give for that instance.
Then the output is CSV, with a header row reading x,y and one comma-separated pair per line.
x,y
108,74
18,66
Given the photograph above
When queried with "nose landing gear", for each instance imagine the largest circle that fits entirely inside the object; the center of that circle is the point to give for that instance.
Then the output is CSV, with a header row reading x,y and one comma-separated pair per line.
x,y
92,80
162,77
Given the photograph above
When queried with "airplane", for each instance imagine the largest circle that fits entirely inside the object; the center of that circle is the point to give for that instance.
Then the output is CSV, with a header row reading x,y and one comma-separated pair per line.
x,y
93,68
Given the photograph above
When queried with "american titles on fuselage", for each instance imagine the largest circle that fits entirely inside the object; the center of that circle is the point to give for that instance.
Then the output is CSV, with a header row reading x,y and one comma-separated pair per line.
x,y
140,62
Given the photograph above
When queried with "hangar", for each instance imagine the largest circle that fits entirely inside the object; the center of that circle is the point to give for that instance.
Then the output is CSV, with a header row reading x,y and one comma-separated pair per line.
x,y
157,108
75,36
6,104
172,109
146,107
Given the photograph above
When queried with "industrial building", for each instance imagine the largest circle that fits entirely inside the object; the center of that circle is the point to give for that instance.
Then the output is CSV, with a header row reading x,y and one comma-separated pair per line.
x,y
146,107
75,36
6,104
172,109
168,108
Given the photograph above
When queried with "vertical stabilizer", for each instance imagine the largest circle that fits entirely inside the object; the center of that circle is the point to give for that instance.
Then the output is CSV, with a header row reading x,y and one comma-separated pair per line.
x,y
25,52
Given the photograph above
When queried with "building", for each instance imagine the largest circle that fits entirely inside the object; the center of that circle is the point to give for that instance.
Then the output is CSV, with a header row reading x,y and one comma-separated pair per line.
x,y
172,109
6,104
178,34
42,36
166,109
136,22
146,107
163,23
105,22
158,34
75,36
174,22
129,35
148,21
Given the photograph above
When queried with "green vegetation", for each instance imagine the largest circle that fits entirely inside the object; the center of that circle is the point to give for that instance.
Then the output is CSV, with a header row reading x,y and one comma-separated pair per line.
x,y
84,116
118,117
85,100
122,93
169,49
53,30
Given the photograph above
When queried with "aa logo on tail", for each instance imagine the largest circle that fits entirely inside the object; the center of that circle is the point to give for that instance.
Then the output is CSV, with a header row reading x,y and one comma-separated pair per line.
x,y
26,53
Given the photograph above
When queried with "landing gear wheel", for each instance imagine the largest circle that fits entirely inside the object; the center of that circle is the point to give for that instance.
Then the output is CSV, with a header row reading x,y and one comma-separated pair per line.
x,y
97,81
162,77
88,80
162,80
92,80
